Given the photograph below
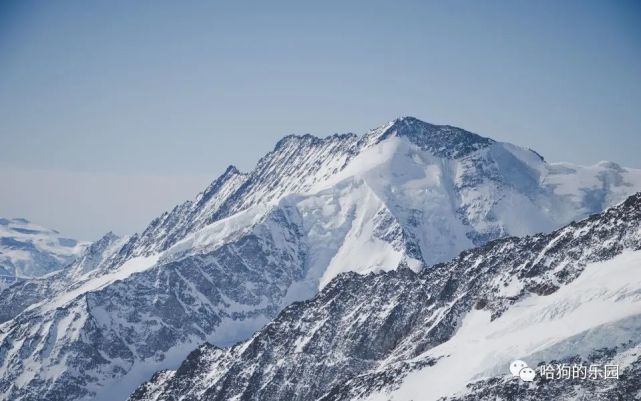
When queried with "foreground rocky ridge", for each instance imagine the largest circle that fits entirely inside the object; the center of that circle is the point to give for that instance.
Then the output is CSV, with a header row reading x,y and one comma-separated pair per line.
x,y
364,334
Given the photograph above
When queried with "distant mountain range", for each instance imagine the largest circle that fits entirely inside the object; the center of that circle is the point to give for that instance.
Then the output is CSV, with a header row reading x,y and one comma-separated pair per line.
x,y
28,250
399,199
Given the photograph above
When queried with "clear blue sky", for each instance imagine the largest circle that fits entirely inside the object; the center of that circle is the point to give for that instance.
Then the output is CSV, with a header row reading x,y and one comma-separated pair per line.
x,y
152,99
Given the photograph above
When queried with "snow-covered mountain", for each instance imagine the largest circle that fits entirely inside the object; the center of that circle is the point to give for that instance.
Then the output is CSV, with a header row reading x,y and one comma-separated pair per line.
x,y
28,250
220,267
450,331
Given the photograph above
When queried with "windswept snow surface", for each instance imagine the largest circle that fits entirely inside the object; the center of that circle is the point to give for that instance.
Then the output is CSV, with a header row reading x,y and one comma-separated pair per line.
x,y
536,329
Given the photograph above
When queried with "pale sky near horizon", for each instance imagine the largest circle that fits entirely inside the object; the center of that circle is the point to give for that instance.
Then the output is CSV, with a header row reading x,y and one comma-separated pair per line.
x,y
112,112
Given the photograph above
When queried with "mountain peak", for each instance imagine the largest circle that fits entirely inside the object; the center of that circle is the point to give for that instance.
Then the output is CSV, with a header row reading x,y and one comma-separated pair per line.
x,y
110,236
409,121
442,140
297,139
231,170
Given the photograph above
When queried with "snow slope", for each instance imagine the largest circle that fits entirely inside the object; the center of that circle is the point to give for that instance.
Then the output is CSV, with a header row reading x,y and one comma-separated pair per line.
x,y
221,266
